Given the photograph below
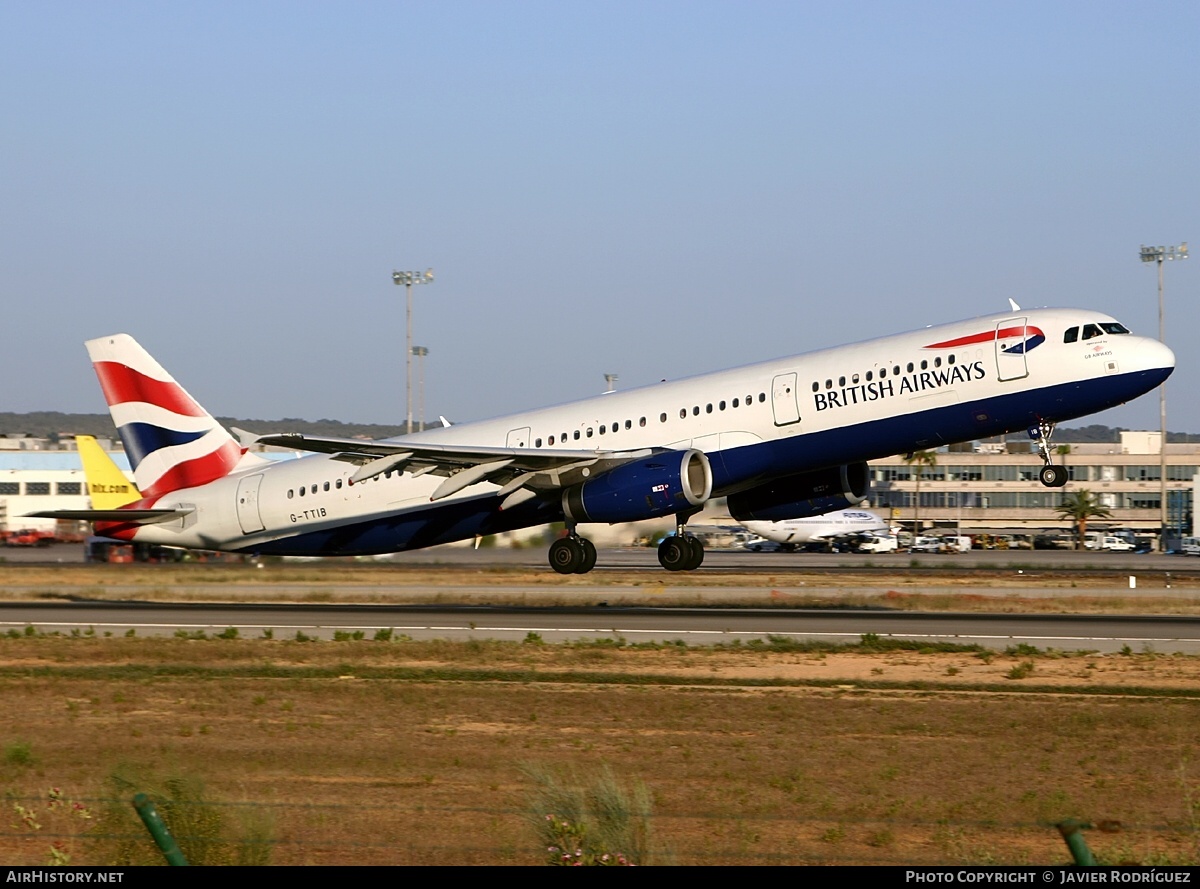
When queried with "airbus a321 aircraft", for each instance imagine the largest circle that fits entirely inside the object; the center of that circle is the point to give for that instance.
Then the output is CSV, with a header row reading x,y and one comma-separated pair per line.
x,y
780,439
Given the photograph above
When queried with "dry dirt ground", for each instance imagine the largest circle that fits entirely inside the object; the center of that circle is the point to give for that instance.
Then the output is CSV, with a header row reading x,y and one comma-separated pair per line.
x,y
399,752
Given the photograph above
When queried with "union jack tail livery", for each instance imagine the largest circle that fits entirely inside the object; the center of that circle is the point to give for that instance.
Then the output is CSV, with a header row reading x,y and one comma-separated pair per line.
x,y
172,442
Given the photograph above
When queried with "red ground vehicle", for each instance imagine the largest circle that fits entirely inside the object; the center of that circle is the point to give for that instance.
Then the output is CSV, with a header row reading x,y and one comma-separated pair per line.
x,y
29,537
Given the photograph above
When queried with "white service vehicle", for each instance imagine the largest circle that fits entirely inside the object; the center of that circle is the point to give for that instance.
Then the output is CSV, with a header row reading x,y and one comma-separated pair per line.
x,y
876,543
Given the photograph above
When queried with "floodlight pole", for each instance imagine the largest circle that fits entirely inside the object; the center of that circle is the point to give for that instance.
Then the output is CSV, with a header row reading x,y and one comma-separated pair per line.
x,y
420,352
408,279
1158,255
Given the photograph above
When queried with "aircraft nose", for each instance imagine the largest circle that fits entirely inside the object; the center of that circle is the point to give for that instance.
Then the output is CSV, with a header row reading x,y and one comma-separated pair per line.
x,y
1157,355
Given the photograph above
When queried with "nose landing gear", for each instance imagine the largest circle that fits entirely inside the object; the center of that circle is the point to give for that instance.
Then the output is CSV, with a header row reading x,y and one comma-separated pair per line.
x,y
1049,475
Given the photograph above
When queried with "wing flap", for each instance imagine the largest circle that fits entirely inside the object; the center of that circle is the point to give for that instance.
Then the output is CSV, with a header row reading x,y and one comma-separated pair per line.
x,y
537,469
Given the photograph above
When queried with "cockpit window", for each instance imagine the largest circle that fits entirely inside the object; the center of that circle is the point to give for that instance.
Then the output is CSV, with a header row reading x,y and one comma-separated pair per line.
x,y
1090,330
1114,327
1071,335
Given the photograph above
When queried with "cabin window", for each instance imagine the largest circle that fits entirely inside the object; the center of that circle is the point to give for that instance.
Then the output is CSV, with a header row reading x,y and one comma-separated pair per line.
x,y
682,413
327,484
602,428
314,489
870,375
910,367
576,435
291,493
696,410
950,360
537,443
736,402
762,396
896,370
708,408
924,364
662,418
642,421
338,484
302,492
937,362
589,432
551,440
882,372
721,406
854,380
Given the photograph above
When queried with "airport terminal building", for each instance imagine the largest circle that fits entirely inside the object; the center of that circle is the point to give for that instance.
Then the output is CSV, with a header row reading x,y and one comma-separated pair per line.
x,y
979,486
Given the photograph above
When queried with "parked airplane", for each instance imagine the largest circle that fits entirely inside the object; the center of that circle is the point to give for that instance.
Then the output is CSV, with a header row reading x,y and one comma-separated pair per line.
x,y
779,439
793,533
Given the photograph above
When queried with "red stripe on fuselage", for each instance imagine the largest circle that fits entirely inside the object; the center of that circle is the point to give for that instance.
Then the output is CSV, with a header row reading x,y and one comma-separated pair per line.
x,y
122,384
986,336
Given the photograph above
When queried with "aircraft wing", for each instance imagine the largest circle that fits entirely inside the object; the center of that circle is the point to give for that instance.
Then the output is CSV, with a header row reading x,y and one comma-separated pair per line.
x,y
128,516
522,473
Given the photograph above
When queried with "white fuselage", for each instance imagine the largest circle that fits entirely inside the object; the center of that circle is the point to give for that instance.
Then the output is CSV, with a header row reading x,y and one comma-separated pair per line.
x,y
811,529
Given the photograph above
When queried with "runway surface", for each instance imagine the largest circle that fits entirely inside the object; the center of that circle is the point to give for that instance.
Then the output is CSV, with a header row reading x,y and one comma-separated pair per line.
x,y
736,596
1106,633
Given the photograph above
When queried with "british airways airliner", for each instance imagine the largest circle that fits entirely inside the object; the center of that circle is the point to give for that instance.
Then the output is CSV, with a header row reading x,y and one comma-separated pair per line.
x,y
779,439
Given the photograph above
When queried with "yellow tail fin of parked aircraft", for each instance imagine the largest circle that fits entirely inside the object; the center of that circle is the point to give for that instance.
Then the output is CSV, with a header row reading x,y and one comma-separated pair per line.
x,y
107,484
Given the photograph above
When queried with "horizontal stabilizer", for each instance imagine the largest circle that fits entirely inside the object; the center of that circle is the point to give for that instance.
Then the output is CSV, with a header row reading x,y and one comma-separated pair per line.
x,y
128,516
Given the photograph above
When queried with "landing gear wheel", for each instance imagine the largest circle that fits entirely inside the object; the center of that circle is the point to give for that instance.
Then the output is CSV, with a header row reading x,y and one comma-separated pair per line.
x,y
589,556
697,553
566,555
1053,476
675,553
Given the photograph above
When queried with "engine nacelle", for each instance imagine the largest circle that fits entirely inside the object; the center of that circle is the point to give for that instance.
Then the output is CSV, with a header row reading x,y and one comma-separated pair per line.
x,y
649,488
800,496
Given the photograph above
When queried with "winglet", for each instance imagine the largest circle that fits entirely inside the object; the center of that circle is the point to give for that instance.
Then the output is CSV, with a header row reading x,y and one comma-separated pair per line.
x,y
246,439
1012,302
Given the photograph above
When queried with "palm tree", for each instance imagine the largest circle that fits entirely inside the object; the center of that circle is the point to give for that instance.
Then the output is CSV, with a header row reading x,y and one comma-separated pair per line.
x,y
920,460
1078,508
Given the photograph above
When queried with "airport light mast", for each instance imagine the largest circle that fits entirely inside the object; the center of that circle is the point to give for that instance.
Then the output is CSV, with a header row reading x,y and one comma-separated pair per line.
x,y
420,352
408,279
1159,255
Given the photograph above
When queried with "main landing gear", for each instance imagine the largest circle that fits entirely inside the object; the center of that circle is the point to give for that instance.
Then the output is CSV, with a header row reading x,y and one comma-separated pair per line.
x,y
682,551
577,555
1049,475
572,554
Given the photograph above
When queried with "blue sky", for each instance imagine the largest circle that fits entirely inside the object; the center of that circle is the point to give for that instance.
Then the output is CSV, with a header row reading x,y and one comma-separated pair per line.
x,y
651,189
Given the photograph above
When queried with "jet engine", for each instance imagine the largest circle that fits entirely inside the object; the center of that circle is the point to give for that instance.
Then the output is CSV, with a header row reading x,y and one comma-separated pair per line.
x,y
806,494
655,486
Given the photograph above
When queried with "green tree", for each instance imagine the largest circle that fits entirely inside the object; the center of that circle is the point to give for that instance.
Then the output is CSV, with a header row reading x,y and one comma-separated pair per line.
x,y
1078,508
919,460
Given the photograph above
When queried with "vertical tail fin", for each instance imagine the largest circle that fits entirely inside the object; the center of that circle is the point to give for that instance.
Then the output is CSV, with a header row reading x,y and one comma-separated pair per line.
x,y
172,442
107,485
